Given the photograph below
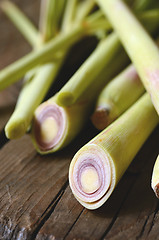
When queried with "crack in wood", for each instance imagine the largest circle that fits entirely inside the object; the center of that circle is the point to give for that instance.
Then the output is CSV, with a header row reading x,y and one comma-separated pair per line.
x,y
153,219
142,229
24,234
117,212
49,210
73,224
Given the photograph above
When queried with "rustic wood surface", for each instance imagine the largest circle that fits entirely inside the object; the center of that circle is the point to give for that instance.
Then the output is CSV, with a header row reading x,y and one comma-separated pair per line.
x,y
35,199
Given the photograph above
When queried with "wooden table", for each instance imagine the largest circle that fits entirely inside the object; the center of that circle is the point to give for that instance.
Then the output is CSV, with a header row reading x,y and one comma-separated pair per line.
x,y
35,199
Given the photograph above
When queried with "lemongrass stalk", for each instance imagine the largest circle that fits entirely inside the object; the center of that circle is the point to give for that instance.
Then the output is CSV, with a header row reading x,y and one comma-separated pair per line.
x,y
100,22
25,27
22,23
54,126
97,15
60,9
70,93
30,97
134,38
48,19
69,14
150,15
33,91
36,89
84,9
99,165
116,97
140,5
87,73
150,19
16,70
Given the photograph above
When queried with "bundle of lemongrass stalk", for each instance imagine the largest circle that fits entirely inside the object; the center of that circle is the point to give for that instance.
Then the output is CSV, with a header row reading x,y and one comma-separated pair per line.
x,y
98,166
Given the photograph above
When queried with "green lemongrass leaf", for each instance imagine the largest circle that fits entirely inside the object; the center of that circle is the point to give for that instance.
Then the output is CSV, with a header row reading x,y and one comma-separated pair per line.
x,y
16,70
140,5
84,9
69,15
48,19
22,23
87,73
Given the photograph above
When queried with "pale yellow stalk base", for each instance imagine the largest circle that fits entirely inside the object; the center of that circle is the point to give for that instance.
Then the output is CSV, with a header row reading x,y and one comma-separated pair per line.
x,y
110,153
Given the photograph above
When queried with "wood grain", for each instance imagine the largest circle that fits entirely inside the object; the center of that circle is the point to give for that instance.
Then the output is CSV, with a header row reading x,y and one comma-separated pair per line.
x,y
29,185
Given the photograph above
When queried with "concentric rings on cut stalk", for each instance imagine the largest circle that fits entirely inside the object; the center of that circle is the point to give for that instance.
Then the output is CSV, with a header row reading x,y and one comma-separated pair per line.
x,y
49,126
90,174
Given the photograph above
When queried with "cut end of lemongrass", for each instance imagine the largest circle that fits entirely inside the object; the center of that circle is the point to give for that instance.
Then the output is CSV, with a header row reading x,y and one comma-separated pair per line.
x,y
100,118
65,99
49,126
155,178
15,129
156,190
91,176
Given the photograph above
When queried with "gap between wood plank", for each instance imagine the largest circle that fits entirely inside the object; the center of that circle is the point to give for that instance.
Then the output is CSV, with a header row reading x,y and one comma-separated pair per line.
x,y
117,212
73,224
49,210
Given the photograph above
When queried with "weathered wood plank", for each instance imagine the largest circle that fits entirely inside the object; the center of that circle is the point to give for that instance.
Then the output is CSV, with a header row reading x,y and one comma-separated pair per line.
x,y
70,220
29,187
64,215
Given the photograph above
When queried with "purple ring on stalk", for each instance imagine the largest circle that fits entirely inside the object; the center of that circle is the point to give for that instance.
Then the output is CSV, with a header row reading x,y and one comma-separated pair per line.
x,y
49,126
90,174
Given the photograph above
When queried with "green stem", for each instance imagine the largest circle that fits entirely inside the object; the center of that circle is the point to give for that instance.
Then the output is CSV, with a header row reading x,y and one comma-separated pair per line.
x,y
60,9
116,97
84,9
54,126
30,97
87,73
22,23
81,81
69,14
36,88
48,19
140,5
150,19
16,70
106,157
134,37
